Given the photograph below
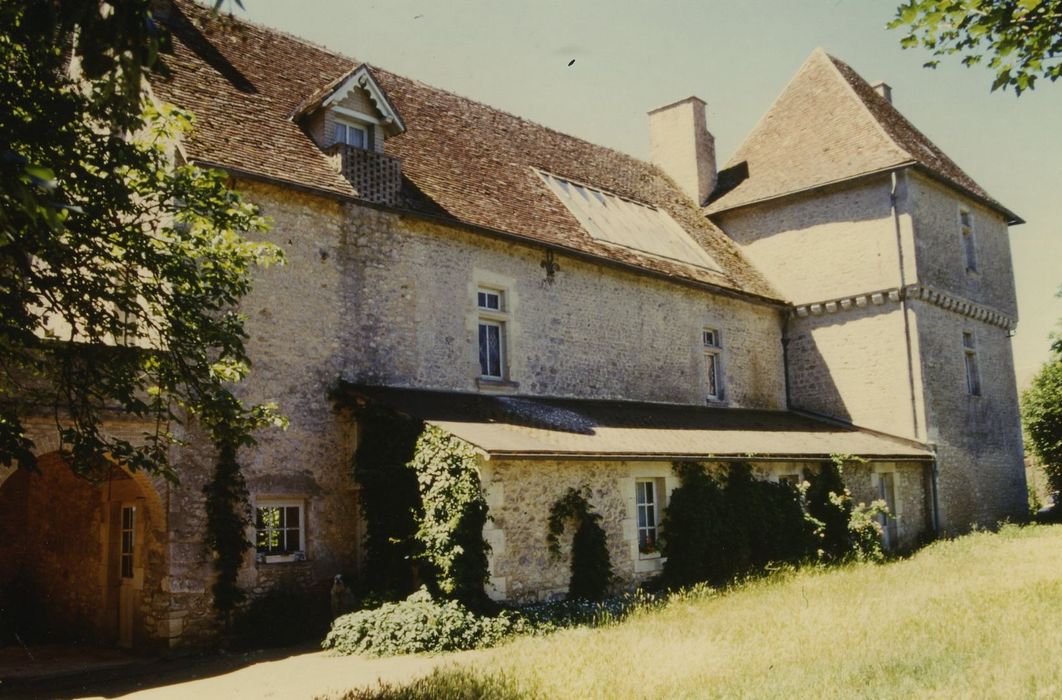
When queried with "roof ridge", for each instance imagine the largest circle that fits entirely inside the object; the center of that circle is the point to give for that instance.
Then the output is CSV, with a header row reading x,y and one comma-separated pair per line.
x,y
836,64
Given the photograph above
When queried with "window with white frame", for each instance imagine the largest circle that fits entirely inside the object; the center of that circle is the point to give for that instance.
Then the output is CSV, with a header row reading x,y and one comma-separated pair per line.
x,y
712,366
973,374
966,231
352,134
280,532
647,499
491,330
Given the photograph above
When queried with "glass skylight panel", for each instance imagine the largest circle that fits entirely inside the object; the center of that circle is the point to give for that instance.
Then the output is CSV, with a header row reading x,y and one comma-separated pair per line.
x,y
619,221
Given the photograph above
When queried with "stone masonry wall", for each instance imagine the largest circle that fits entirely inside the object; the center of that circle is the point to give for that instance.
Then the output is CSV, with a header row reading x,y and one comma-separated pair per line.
x,y
854,365
824,245
940,254
978,438
520,494
594,332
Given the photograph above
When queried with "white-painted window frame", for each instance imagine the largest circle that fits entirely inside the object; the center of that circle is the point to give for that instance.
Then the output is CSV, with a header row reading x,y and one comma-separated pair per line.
x,y
712,347
655,509
347,125
497,317
295,555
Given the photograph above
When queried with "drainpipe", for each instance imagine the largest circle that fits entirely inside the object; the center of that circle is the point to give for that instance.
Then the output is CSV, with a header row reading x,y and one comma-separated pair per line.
x,y
893,197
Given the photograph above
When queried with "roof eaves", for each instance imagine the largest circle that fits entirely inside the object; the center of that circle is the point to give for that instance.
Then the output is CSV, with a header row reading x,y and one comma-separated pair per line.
x,y
1012,218
711,210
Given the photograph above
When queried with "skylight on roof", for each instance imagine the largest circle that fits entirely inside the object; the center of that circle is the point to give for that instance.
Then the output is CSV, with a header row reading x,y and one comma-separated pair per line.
x,y
613,219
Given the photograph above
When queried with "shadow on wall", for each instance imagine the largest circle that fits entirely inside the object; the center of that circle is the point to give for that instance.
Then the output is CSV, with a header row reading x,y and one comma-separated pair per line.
x,y
811,383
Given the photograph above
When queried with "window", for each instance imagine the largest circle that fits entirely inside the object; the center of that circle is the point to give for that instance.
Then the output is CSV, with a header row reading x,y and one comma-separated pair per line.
x,y
713,371
492,317
887,493
279,531
128,541
973,376
352,134
647,501
791,479
968,248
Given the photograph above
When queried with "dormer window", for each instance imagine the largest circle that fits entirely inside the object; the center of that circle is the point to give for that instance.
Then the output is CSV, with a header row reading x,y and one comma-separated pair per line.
x,y
352,134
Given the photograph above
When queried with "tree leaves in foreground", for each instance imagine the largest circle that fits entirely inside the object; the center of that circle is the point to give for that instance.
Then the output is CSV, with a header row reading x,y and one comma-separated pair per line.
x,y
120,266
1020,40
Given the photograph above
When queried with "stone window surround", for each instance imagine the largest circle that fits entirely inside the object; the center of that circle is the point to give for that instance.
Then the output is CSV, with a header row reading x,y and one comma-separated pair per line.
x,y
512,364
657,512
666,480
720,364
283,501
971,366
897,482
967,239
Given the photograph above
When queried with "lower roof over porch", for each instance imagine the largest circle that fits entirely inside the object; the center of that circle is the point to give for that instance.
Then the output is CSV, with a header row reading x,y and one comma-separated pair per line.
x,y
531,427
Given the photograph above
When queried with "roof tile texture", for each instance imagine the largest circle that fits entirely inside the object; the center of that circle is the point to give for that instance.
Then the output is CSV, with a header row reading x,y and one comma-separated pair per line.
x,y
461,160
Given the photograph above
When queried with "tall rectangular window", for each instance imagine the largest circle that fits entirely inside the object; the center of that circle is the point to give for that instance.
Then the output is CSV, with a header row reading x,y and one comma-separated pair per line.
x,y
128,541
973,375
647,503
491,305
968,248
713,371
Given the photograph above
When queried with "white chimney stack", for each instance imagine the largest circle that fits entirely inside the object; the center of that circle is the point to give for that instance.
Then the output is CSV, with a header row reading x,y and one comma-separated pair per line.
x,y
883,89
680,145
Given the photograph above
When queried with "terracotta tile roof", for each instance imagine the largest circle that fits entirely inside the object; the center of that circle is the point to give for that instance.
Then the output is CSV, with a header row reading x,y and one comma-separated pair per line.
x,y
461,160
830,125
536,427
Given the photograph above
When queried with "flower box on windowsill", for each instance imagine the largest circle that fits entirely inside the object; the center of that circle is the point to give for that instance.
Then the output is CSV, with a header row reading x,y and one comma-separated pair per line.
x,y
263,558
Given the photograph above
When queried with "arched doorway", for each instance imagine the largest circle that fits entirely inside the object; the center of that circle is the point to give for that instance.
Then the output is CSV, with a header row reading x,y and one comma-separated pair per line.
x,y
82,559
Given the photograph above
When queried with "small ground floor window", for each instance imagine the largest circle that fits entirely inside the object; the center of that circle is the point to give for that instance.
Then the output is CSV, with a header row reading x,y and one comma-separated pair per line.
x,y
647,500
279,531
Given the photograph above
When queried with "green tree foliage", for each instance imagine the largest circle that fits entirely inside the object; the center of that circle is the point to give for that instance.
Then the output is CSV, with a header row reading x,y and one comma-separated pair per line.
x,y
843,529
1020,40
1041,410
120,267
591,565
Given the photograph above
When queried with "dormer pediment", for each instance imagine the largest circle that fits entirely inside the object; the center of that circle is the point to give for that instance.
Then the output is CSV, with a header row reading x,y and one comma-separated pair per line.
x,y
358,95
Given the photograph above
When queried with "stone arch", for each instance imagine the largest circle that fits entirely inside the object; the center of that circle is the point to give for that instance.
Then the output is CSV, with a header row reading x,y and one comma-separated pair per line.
x,y
84,560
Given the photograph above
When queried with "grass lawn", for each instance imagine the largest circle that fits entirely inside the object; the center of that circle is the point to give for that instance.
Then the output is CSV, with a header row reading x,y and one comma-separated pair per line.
x,y
979,616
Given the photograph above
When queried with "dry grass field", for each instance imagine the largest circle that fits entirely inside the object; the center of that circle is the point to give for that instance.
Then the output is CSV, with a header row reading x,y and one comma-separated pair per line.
x,y
978,616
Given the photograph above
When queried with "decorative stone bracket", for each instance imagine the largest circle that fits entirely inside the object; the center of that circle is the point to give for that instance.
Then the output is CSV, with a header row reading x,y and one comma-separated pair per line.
x,y
937,297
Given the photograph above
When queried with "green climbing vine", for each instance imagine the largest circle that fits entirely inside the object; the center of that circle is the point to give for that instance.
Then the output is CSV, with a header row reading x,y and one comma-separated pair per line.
x,y
423,506
591,566
454,511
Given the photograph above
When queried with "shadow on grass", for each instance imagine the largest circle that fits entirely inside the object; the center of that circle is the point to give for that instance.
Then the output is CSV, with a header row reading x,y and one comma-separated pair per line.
x,y
448,684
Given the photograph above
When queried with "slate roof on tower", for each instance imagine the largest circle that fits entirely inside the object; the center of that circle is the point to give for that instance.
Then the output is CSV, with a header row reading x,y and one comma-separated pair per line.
x,y
462,161
829,125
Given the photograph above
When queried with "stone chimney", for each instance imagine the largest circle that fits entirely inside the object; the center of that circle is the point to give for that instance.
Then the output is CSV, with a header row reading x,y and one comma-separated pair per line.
x,y
681,146
883,89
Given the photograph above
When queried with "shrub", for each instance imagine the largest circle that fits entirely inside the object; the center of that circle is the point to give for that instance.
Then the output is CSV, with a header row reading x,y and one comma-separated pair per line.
x,y
418,624
844,530
719,527
591,566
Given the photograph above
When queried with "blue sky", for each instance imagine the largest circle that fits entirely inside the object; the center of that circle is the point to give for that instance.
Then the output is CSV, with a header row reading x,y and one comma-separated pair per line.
x,y
634,55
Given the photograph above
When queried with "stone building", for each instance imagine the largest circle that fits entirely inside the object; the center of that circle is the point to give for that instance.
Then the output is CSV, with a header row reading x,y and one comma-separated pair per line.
x,y
578,316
